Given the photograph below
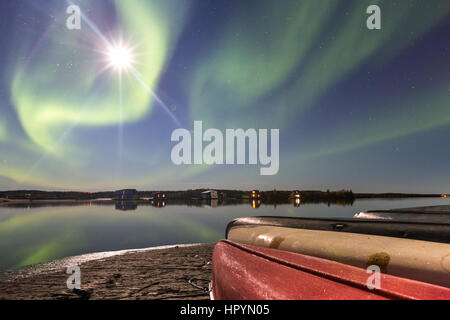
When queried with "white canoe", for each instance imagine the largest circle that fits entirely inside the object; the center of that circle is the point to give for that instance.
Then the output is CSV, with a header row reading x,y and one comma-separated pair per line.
x,y
414,259
433,214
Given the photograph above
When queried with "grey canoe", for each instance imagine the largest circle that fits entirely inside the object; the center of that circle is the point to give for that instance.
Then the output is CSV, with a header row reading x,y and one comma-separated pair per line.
x,y
427,231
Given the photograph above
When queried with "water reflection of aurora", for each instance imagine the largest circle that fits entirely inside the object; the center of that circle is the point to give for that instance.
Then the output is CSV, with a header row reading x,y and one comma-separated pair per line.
x,y
40,234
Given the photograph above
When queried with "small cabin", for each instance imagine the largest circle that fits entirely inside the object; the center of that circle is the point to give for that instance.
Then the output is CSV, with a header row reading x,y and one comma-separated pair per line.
x,y
125,194
255,194
159,196
295,194
210,194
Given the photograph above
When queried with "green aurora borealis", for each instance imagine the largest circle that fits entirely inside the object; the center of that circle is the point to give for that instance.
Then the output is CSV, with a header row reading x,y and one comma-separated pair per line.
x,y
337,91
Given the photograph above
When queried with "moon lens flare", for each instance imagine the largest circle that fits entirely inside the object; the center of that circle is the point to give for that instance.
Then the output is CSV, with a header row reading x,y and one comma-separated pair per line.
x,y
120,57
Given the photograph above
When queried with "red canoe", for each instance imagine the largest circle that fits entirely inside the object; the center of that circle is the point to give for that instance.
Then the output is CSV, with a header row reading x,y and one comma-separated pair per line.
x,y
244,272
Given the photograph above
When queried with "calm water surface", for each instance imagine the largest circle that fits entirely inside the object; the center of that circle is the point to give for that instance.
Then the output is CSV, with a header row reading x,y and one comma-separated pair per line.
x,y
40,234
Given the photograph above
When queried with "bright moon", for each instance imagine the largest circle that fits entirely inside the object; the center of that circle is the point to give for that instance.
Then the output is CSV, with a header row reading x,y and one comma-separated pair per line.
x,y
120,57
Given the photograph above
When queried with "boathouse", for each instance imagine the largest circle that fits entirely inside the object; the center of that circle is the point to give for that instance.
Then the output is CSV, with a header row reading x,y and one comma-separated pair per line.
x,y
125,194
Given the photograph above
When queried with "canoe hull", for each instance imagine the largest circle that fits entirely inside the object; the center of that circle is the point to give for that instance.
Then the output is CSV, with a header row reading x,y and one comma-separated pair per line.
x,y
244,272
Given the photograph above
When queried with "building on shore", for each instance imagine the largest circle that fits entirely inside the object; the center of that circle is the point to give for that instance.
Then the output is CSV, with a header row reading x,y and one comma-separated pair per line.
x,y
295,194
255,194
159,196
295,198
125,194
210,194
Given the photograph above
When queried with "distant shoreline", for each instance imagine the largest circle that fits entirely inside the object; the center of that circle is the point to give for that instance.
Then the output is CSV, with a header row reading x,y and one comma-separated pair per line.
x,y
20,202
395,195
103,197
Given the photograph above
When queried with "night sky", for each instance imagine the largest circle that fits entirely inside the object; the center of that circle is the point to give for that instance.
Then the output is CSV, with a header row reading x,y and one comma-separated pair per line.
x,y
367,110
